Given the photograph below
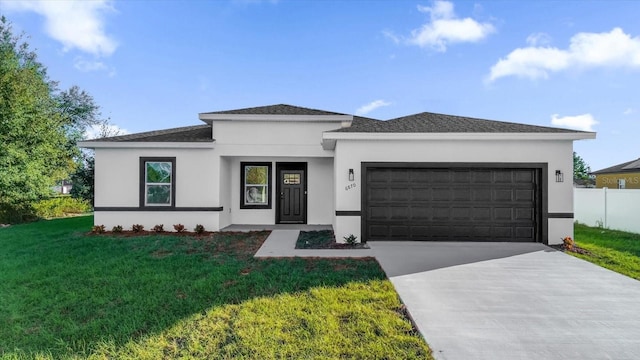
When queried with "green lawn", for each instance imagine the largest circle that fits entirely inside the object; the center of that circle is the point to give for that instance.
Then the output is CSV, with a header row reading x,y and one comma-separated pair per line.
x,y
615,250
67,294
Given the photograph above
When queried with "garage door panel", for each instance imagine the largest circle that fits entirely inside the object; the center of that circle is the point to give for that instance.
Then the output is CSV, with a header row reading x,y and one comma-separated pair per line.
x,y
461,194
420,194
525,214
471,204
461,176
419,213
441,194
399,212
378,213
527,195
502,214
524,177
461,213
440,176
502,195
399,194
376,193
483,194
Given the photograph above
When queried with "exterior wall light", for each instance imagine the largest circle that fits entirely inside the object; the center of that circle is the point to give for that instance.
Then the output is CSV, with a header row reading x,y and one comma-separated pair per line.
x,y
559,176
351,175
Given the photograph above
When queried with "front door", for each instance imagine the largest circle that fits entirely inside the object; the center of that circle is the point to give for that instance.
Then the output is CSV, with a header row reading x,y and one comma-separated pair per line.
x,y
292,191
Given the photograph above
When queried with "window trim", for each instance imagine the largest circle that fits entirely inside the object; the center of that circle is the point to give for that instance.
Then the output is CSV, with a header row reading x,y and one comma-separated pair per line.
x,y
242,185
143,181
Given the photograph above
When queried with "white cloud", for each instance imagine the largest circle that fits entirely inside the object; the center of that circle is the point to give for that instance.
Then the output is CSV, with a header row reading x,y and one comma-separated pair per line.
x,y
88,65
628,111
537,39
76,24
103,130
584,122
445,28
610,49
365,109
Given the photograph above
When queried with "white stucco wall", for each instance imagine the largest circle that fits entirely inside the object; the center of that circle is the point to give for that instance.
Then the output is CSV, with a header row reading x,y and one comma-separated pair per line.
x,y
117,184
557,154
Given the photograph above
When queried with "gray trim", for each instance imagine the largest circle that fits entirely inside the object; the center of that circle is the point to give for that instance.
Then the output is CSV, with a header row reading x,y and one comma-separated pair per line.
x,y
348,213
541,180
143,180
560,215
269,165
159,208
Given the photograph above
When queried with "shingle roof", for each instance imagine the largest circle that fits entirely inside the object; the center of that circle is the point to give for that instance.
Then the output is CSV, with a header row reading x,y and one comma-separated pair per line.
x,y
439,123
197,133
280,109
629,166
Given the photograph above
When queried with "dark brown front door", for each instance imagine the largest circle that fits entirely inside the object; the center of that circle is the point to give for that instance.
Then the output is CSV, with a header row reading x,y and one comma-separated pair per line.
x,y
292,204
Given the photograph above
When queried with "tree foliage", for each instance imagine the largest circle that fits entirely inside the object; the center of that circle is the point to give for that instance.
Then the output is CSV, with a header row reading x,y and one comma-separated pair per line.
x,y
580,168
39,128
34,151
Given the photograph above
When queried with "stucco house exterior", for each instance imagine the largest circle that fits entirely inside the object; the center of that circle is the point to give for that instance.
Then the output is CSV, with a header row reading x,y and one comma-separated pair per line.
x,y
420,177
621,176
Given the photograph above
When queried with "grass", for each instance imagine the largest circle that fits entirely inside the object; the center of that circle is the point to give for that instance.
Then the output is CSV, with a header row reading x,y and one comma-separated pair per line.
x,y
66,294
615,250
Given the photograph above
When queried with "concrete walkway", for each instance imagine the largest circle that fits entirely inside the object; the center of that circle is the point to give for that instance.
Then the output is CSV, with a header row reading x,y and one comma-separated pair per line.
x,y
282,243
513,301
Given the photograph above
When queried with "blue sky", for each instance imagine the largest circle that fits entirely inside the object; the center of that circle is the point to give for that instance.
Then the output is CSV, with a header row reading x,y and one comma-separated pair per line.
x,y
154,65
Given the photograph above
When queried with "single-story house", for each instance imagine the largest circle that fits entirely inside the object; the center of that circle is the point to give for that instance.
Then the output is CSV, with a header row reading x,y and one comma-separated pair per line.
x,y
621,176
419,177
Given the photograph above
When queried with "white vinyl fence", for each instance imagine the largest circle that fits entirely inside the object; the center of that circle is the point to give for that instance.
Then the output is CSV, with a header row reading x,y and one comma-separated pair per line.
x,y
617,209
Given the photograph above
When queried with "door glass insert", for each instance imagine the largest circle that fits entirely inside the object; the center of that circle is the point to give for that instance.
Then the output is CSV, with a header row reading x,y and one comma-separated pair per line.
x,y
291,179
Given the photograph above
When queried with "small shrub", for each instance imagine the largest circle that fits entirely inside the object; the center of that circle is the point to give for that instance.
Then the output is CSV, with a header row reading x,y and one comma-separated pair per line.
x,y
199,229
351,239
158,228
569,243
137,228
97,229
178,227
117,229
60,206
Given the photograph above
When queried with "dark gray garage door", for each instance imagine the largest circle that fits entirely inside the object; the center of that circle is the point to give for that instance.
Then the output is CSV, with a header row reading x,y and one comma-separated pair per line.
x,y
451,204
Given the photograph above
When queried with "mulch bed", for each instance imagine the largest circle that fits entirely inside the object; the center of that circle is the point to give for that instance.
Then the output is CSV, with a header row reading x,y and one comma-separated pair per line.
x,y
575,249
323,239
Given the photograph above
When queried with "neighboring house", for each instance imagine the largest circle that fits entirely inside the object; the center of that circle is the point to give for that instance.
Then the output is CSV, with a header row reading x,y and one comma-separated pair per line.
x,y
419,177
63,187
621,176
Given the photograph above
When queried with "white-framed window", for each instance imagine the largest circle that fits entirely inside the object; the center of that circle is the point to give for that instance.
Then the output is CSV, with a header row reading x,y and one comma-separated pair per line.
x,y
255,187
157,183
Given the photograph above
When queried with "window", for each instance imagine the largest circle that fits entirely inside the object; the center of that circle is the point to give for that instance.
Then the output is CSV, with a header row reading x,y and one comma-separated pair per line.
x,y
157,182
255,190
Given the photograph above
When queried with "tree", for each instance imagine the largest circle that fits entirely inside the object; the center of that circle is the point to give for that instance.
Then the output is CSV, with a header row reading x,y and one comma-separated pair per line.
x,y
34,150
580,168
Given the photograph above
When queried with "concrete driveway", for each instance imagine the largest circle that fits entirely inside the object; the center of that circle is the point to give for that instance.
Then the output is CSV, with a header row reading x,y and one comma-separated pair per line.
x,y
513,301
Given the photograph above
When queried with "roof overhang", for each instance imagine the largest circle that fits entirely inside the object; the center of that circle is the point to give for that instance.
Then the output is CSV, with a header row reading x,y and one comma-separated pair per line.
x,y
329,138
145,145
209,118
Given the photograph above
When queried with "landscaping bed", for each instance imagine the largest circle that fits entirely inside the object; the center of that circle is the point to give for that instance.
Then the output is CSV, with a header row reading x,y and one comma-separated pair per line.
x,y
323,239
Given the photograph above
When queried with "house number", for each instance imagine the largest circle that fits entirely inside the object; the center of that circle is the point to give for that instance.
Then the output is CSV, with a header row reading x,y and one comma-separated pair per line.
x,y
350,186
